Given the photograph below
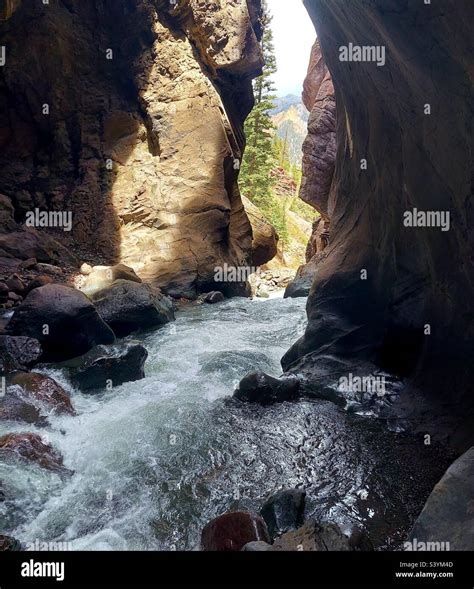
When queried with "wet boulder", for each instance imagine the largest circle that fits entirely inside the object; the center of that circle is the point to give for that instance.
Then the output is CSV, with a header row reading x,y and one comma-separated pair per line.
x,y
9,544
447,519
105,366
64,321
18,352
31,448
258,387
30,392
284,511
211,298
232,531
129,306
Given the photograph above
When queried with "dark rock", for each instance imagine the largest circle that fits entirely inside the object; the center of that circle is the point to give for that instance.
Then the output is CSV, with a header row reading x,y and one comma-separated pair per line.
x,y
38,282
314,537
128,306
12,296
15,284
28,264
4,290
18,352
31,448
299,287
105,365
74,326
9,544
284,511
258,387
232,531
448,515
212,297
39,390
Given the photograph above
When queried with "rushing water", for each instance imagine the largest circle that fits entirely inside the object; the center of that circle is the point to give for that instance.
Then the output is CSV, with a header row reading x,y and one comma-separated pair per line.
x,y
155,460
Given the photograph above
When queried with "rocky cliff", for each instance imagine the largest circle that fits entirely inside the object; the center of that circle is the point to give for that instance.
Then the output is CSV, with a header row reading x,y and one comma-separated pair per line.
x,y
396,287
129,116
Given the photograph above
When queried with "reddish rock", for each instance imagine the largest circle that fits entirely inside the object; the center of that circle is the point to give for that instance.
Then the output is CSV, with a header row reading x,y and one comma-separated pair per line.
x,y
232,531
40,389
30,447
38,282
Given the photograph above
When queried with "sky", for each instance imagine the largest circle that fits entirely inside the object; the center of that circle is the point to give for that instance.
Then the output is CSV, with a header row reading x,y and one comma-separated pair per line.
x,y
294,35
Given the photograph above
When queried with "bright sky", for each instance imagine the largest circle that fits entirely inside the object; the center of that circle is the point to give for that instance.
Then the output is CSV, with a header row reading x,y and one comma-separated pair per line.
x,y
294,35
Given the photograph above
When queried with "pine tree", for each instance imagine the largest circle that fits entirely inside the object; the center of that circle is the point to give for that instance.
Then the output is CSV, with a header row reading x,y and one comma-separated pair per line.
x,y
259,158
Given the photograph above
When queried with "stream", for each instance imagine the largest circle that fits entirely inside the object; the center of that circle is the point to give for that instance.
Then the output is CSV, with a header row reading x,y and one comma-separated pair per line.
x,y
155,460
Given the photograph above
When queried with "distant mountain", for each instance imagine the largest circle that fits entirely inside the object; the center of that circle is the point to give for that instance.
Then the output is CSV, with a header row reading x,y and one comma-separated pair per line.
x,y
290,118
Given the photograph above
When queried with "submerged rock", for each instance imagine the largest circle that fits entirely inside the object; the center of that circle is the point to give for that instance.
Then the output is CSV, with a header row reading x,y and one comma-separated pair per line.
x,y
211,297
129,306
30,447
447,519
107,365
258,387
29,396
9,544
284,511
232,531
63,320
18,352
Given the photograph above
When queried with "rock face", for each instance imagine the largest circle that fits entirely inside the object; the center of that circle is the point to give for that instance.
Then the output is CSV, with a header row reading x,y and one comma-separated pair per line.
x,y
264,237
232,531
128,306
107,365
139,135
319,158
284,511
62,319
448,515
412,314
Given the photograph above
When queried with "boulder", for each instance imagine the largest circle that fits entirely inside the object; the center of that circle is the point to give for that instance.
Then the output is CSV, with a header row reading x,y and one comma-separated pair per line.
x,y
16,284
264,235
128,306
448,515
232,531
38,282
39,390
9,544
314,537
107,365
64,321
30,447
258,387
212,297
100,277
18,352
284,511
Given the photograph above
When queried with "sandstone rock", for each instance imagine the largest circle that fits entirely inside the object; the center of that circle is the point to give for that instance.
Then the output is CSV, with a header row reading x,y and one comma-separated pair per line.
x,y
284,511
448,514
232,531
18,352
170,206
258,387
107,365
128,306
42,391
73,323
102,277
264,236
31,448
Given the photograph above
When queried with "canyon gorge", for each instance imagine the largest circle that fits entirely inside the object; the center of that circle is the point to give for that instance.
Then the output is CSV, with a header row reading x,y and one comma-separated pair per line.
x,y
130,117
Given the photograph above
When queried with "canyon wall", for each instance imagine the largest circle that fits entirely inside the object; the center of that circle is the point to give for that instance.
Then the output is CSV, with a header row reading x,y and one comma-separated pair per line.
x,y
130,116
396,295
